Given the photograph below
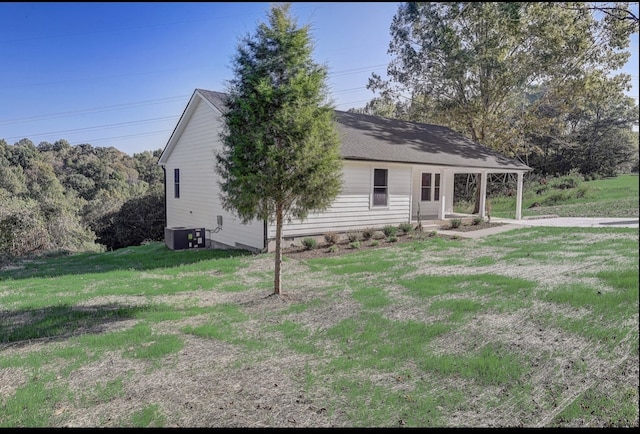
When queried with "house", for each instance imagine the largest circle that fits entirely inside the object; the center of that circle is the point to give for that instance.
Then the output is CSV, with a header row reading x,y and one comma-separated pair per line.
x,y
393,171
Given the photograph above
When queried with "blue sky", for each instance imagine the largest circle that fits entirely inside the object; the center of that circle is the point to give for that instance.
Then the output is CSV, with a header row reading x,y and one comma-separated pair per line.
x,y
120,74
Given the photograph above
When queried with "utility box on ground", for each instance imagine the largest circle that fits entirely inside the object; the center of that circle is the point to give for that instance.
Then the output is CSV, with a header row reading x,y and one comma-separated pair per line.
x,y
180,238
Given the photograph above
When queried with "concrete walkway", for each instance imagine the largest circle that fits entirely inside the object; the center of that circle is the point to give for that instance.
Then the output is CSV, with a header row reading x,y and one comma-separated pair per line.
x,y
576,222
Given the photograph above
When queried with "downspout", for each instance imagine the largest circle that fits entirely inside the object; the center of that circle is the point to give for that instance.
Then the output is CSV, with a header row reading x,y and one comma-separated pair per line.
x,y
164,173
265,237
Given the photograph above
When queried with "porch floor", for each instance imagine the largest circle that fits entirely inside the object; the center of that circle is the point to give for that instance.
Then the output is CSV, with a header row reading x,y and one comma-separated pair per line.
x,y
432,221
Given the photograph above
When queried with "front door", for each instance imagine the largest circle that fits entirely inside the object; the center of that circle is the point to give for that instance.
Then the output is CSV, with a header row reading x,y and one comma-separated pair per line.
x,y
429,193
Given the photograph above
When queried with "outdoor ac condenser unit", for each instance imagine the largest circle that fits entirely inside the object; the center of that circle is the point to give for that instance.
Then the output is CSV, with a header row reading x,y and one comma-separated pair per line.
x,y
180,238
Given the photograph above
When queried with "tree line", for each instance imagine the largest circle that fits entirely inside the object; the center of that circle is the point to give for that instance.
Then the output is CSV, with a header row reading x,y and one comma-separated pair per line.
x,y
58,197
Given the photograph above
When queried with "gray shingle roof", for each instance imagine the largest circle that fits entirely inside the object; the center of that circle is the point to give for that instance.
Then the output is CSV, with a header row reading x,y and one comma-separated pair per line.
x,y
367,137
374,138
215,98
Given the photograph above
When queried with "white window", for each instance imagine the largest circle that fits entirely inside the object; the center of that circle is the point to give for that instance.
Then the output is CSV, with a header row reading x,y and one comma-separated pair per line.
x,y
430,187
176,183
380,187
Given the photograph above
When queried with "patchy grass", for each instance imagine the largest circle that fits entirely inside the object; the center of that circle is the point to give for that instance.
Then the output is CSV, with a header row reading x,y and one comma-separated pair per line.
x,y
531,327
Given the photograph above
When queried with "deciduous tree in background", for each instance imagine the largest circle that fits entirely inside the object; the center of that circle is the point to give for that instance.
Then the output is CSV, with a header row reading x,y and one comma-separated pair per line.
x,y
58,197
280,157
471,65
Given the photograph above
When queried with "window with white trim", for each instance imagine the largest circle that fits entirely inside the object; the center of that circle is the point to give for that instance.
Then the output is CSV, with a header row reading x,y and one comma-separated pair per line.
x,y
176,183
430,186
380,187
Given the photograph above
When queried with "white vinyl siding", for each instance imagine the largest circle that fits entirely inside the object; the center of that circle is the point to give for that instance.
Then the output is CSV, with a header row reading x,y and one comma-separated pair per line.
x,y
352,209
199,202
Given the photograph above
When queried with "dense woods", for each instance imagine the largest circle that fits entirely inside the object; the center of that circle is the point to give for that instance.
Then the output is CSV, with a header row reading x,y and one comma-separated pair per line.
x,y
58,197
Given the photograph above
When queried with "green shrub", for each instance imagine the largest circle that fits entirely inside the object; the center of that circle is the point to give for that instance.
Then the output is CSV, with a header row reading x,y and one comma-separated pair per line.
x,y
595,176
393,239
355,244
378,235
309,243
405,227
583,190
477,220
556,197
354,236
331,237
390,230
333,248
368,233
542,189
374,243
573,180
455,223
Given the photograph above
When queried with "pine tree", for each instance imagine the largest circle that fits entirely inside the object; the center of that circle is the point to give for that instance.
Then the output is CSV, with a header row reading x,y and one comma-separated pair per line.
x,y
280,157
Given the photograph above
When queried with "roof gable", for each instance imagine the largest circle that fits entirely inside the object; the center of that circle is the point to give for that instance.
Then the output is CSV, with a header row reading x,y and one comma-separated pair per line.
x,y
213,99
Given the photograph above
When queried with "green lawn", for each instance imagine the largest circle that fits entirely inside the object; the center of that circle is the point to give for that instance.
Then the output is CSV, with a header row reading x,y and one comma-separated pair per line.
x,y
611,197
530,327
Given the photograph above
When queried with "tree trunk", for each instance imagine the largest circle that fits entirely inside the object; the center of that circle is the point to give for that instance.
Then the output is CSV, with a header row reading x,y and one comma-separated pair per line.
x,y
278,253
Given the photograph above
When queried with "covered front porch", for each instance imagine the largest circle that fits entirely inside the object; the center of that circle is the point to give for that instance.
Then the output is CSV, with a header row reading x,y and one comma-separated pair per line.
x,y
433,193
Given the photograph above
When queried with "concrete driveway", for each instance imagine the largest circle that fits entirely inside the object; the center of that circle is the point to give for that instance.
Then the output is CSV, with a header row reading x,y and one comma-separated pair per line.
x,y
600,222
619,222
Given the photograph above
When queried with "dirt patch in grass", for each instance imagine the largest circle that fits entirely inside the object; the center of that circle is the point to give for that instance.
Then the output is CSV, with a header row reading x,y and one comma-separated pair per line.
x,y
10,380
203,385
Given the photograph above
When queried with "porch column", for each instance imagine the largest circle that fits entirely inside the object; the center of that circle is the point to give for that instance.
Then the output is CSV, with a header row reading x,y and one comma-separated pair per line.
x,y
412,174
483,193
519,197
443,188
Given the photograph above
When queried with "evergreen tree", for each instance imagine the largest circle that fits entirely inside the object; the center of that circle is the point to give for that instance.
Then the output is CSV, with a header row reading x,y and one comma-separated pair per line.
x,y
280,157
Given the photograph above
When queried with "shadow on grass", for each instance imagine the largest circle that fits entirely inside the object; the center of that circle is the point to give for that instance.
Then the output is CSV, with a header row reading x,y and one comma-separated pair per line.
x,y
23,326
138,258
